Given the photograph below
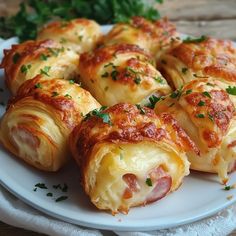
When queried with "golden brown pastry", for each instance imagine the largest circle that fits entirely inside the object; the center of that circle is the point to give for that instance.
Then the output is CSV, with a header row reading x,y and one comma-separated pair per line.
x,y
39,120
129,156
46,58
120,73
201,58
80,35
155,37
207,114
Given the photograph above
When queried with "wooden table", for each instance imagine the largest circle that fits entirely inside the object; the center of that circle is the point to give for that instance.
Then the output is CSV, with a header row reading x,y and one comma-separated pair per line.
x,y
203,17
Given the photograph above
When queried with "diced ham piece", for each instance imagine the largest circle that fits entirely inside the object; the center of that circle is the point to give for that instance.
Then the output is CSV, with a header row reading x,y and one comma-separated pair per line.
x,y
161,182
133,186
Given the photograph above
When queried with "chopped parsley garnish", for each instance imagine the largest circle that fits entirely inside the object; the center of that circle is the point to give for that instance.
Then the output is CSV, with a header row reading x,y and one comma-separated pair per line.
x,y
152,101
45,70
114,74
62,198
159,79
38,85
104,116
32,14
210,117
200,115
184,70
56,186
80,38
189,91
55,51
142,111
177,93
137,80
68,96
41,185
16,57
49,195
109,64
105,75
43,57
64,188
25,68
206,94
54,94
231,90
63,40
228,187
149,182
71,81
201,103
121,156
210,84
195,40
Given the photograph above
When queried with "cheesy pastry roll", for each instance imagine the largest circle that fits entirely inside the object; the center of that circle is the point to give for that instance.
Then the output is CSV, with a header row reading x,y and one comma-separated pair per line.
x,y
129,156
156,37
207,114
120,73
200,58
46,58
80,35
38,121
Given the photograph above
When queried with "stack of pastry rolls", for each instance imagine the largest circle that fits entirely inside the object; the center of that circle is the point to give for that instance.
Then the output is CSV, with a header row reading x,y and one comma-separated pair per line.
x,y
47,103
128,154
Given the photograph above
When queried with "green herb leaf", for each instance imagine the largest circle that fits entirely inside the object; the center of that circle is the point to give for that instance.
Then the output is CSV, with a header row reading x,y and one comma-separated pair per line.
x,y
45,70
71,81
228,187
99,113
137,80
189,91
195,40
68,96
184,70
49,195
201,103
231,90
54,94
43,57
16,57
41,185
142,111
62,198
149,182
105,75
206,94
200,115
38,85
152,101
25,68
159,79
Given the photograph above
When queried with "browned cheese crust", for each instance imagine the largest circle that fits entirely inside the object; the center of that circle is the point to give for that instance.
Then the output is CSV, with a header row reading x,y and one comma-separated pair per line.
x,y
155,37
39,119
120,73
47,58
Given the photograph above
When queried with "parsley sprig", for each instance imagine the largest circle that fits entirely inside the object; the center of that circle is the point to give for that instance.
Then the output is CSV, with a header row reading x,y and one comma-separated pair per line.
x,y
99,113
33,14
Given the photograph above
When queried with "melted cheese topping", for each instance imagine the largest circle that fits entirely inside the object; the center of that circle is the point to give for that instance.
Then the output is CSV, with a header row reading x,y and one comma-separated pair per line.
x,y
112,161
80,35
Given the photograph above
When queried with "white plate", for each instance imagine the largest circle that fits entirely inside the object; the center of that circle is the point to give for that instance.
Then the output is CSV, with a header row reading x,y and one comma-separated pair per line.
x,y
200,196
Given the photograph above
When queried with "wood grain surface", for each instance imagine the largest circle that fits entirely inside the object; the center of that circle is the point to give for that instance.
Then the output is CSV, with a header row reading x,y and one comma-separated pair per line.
x,y
203,17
